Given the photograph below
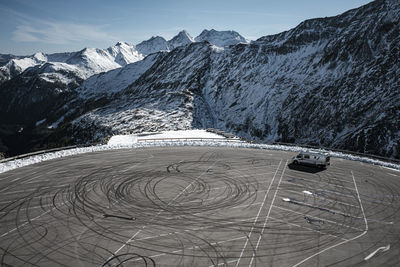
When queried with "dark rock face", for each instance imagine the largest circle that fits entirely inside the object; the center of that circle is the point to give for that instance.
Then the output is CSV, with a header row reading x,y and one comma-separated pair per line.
x,y
332,82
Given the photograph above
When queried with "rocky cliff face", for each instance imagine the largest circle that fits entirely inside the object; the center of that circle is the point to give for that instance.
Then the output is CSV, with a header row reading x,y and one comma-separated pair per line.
x,y
331,82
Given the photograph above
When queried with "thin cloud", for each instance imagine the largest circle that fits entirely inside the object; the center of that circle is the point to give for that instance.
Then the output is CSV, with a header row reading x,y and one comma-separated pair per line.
x,y
50,32
59,33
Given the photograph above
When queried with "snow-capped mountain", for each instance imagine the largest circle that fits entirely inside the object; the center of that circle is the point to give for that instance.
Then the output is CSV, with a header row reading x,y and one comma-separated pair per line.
x,y
83,63
221,38
17,65
36,86
330,81
153,45
157,43
217,38
183,38
107,83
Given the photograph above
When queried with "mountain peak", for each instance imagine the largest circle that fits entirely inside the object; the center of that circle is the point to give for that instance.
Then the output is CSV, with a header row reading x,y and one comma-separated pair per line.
x,y
182,38
40,56
184,33
152,45
221,38
121,43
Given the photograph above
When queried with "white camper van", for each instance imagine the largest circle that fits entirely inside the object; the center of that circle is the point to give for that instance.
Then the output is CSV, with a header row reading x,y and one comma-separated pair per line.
x,y
312,159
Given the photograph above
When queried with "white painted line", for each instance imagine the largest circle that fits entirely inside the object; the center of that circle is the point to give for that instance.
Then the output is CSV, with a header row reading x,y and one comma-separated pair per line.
x,y
158,213
20,191
343,242
311,229
247,184
392,174
320,208
252,168
32,189
322,197
194,229
326,178
248,205
266,218
258,214
313,181
322,190
192,248
225,223
318,218
361,205
383,249
223,263
27,207
37,217
25,223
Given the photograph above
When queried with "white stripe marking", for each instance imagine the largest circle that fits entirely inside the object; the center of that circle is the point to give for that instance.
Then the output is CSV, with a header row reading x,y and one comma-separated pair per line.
x,y
258,214
266,218
343,242
383,249
158,213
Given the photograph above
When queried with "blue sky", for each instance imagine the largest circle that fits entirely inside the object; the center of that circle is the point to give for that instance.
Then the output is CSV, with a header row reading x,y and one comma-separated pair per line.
x,y
29,26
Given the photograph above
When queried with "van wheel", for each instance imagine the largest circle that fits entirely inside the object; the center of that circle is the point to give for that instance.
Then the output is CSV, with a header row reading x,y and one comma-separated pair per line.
x,y
295,162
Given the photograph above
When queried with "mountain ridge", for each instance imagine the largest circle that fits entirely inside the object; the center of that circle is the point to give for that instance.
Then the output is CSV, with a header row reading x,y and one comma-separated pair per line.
x,y
329,82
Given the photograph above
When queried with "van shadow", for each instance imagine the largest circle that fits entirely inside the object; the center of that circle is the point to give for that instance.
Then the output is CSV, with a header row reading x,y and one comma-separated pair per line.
x,y
303,168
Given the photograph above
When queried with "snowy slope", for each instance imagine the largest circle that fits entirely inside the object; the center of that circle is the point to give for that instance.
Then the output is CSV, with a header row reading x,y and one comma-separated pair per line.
x,y
153,45
157,101
39,87
331,82
84,63
217,38
221,38
115,80
15,66
183,38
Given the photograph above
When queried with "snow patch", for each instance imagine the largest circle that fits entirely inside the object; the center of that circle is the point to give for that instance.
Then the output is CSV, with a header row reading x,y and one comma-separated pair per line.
x,y
122,140
182,134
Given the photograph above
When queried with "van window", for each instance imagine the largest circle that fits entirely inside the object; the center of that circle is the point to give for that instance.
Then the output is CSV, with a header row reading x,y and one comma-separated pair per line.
x,y
306,156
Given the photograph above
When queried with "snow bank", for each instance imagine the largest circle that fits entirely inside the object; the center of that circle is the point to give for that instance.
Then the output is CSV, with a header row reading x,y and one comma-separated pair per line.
x,y
119,142
180,134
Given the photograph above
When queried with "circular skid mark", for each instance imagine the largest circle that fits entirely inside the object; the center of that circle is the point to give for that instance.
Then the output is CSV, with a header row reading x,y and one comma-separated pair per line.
x,y
194,207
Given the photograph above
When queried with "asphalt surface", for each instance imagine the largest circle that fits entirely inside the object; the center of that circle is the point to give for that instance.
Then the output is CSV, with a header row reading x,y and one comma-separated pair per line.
x,y
198,206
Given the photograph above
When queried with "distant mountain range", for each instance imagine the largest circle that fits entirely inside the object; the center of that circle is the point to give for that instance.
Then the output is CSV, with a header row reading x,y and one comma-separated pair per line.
x,y
332,82
90,61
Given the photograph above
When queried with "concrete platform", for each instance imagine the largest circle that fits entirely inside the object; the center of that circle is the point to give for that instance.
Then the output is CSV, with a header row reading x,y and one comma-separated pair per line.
x,y
198,206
